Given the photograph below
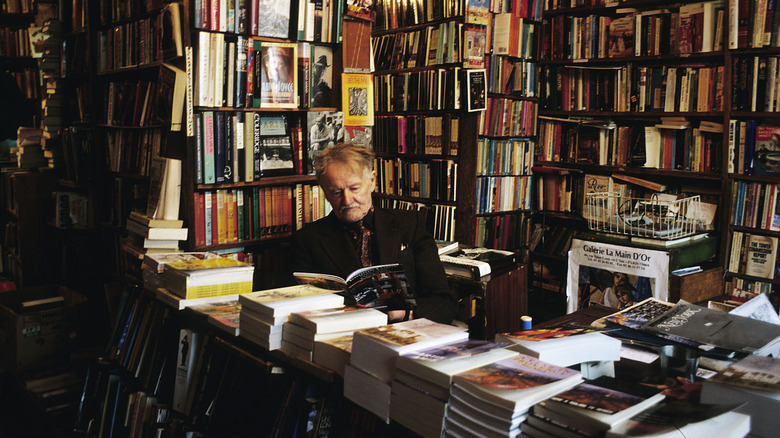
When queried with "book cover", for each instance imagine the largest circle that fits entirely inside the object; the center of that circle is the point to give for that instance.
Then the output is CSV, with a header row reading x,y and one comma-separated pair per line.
x,y
321,81
761,255
285,300
333,353
621,36
711,327
356,47
278,81
476,43
196,265
766,156
756,372
477,12
382,286
338,319
476,89
323,128
361,9
674,418
517,382
564,346
599,404
272,18
357,97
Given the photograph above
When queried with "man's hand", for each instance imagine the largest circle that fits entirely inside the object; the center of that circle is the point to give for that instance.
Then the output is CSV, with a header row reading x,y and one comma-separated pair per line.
x,y
398,315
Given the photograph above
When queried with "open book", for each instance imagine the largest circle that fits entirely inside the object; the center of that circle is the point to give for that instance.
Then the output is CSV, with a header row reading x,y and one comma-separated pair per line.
x,y
382,286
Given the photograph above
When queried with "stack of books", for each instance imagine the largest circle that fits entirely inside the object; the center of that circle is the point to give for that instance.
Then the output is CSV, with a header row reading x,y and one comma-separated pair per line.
x,y
304,328
421,389
29,150
333,353
263,313
591,408
496,398
147,235
153,265
203,278
567,346
372,365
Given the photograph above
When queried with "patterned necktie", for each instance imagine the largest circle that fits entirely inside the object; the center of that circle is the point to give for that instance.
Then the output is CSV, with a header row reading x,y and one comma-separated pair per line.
x,y
365,246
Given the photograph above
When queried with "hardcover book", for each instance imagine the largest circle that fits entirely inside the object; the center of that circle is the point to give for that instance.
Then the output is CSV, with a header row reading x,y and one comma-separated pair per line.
x,y
621,36
766,157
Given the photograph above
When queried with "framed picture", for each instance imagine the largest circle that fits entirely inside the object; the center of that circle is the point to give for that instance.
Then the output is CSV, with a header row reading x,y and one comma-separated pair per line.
x,y
357,99
476,89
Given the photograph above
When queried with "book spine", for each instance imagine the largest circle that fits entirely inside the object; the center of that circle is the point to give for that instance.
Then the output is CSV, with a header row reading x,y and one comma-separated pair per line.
x,y
209,169
200,219
207,218
219,146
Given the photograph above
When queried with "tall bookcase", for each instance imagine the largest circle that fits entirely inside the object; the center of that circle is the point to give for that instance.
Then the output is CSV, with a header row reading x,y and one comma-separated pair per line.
x,y
635,91
752,124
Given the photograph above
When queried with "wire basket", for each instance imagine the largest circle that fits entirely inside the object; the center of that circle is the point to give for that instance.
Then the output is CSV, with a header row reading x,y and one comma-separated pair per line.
x,y
652,217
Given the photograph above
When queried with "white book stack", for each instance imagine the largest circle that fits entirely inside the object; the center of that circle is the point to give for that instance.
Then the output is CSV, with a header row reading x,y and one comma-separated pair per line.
x,y
421,388
369,374
304,328
494,399
263,313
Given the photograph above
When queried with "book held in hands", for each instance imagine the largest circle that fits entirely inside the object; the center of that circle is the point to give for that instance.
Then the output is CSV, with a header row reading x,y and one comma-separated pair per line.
x,y
382,287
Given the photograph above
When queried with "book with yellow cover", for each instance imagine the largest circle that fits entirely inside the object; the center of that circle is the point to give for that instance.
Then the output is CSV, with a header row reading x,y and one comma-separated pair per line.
x,y
357,99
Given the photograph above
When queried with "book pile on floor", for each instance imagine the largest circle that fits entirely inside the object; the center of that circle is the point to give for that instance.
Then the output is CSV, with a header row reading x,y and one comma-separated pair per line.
x,y
263,313
496,398
421,389
372,365
29,149
303,329
147,235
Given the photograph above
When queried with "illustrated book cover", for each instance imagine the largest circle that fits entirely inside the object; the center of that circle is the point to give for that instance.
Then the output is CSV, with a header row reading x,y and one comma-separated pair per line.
x,y
382,286
357,98
277,81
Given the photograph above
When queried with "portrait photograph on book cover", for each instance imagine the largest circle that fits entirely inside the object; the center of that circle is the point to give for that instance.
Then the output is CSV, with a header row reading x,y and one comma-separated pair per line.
x,y
325,129
278,77
614,275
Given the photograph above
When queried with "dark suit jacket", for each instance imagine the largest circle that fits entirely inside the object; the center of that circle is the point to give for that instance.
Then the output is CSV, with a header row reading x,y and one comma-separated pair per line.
x,y
325,246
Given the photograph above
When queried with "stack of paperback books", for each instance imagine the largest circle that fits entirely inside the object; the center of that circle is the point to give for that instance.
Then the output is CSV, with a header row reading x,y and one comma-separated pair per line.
x,y
304,328
372,365
333,353
496,398
153,265
147,235
421,389
591,408
222,314
263,313
564,346
202,278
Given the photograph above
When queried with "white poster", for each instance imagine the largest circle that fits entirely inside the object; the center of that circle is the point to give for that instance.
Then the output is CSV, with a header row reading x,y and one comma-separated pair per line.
x,y
614,275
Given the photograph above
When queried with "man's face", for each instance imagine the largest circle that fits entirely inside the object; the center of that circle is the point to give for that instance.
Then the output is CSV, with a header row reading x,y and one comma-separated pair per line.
x,y
348,191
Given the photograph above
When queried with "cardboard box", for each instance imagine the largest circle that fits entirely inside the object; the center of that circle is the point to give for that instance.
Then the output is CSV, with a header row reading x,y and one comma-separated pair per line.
x,y
38,329
697,287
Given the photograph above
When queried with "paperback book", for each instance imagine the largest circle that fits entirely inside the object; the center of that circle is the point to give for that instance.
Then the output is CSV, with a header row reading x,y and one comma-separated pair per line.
x,y
564,346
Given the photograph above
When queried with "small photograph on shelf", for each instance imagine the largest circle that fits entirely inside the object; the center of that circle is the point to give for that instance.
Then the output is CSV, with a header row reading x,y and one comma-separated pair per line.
x,y
278,75
476,89
613,275
361,9
275,19
766,160
321,77
357,96
325,129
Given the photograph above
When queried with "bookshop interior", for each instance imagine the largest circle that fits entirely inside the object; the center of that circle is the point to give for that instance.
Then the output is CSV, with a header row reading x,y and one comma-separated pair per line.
x,y
389,218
